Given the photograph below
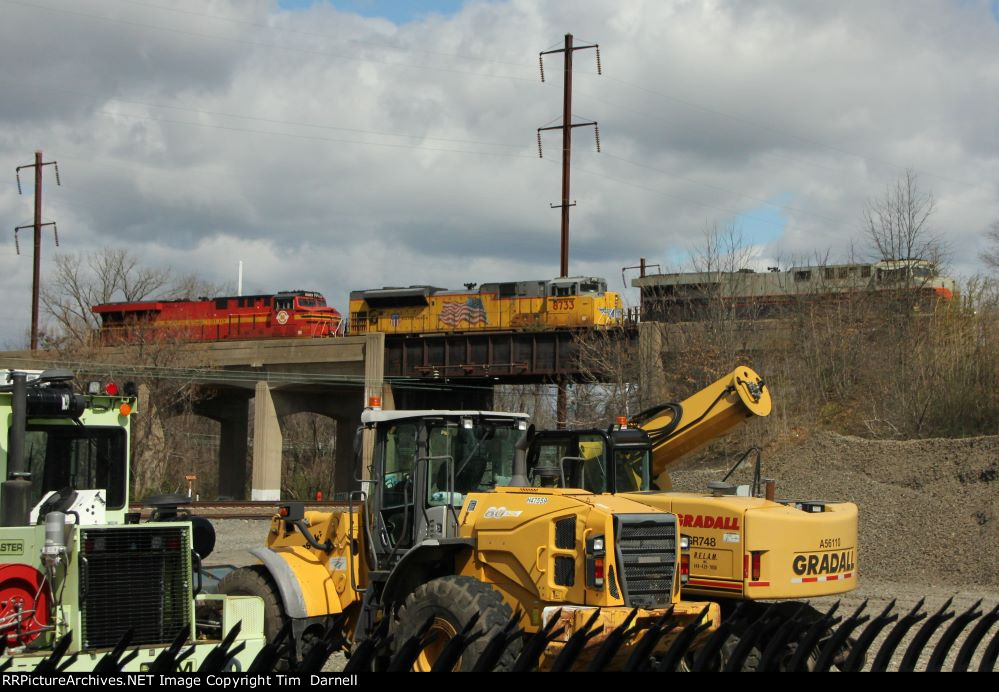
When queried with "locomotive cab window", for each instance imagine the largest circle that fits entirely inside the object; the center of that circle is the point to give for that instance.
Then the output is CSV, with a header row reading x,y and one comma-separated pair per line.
x,y
592,286
564,290
91,458
284,303
311,302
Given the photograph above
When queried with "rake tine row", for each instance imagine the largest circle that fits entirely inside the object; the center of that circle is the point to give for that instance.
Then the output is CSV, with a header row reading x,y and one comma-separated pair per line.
x,y
834,645
858,652
819,638
808,643
894,638
919,642
456,647
943,647
978,633
499,643
682,643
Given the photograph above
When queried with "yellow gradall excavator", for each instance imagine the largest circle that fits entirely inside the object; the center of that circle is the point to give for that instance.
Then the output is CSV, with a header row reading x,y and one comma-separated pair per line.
x,y
744,543
741,542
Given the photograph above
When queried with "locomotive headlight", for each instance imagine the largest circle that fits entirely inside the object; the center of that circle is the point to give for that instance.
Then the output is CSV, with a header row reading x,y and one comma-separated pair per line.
x,y
684,543
598,544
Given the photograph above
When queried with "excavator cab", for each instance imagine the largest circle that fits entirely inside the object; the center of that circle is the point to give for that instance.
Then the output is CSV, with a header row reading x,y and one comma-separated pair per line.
x,y
598,461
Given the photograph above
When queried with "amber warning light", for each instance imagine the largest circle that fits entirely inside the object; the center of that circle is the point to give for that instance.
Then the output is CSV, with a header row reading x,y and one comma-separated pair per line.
x,y
375,403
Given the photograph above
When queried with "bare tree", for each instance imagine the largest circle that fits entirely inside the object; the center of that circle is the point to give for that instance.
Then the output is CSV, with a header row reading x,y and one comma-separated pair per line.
x,y
81,281
897,224
991,255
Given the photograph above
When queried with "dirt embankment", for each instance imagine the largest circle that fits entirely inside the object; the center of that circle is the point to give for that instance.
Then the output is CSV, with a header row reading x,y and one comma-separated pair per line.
x,y
929,509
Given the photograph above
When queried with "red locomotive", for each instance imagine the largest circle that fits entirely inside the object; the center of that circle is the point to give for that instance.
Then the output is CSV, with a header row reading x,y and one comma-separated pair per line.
x,y
285,314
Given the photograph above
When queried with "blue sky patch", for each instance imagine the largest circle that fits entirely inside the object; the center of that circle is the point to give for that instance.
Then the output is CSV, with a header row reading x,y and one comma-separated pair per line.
x,y
995,9
764,224
396,11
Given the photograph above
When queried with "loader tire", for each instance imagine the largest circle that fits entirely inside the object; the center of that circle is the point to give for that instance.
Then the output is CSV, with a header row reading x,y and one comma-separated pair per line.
x,y
451,601
257,581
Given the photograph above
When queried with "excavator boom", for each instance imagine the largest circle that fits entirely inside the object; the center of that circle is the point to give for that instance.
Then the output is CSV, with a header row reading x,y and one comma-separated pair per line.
x,y
677,429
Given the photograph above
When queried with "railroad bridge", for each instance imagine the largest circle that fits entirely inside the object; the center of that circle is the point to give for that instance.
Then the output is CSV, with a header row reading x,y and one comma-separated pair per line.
x,y
332,377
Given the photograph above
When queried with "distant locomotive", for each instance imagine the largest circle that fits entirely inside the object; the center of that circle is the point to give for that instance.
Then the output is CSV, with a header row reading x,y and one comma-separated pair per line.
x,y
286,314
516,305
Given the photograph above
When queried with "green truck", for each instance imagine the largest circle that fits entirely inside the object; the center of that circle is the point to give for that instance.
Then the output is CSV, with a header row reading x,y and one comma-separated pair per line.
x,y
73,559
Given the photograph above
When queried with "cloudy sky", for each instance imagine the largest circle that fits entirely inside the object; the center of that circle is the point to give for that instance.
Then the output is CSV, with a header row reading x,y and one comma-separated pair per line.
x,y
354,144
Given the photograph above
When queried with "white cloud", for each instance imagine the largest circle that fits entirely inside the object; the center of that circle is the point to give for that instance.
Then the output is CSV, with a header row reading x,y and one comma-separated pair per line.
x,y
334,152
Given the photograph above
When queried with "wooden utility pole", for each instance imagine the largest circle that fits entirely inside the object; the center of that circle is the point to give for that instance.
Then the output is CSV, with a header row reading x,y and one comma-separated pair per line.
x,y
566,128
562,402
37,226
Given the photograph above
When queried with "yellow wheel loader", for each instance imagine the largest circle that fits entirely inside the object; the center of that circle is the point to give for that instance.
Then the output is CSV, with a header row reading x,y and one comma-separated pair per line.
x,y
744,543
452,522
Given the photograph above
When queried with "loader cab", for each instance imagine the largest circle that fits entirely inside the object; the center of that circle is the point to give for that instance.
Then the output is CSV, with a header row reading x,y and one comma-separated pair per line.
x,y
424,464
598,461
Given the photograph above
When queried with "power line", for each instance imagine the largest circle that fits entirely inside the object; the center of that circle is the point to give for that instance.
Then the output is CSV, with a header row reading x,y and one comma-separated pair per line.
x,y
246,130
274,121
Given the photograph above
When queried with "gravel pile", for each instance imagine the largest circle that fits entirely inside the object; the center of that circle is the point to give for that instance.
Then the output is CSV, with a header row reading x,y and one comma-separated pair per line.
x,y
929,509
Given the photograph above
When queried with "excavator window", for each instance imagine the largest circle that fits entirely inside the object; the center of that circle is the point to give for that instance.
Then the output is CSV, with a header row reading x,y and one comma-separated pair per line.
x,y
631,469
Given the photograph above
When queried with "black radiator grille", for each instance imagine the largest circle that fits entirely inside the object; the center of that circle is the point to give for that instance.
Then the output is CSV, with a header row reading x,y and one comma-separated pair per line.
x,y
612,580
565,571
565,533
646,557
134,578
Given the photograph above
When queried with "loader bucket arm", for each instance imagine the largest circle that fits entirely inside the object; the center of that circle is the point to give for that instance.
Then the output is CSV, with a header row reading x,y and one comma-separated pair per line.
x,y
677,429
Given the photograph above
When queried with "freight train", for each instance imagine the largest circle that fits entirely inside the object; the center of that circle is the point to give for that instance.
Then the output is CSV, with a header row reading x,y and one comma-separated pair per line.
x,y
571,302
285,314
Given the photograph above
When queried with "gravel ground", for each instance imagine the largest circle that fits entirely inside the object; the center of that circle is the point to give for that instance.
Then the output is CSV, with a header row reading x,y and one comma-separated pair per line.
x,y
929,518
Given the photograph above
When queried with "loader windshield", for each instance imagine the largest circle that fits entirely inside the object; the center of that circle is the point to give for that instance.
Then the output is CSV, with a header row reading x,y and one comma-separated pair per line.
x,y
469,458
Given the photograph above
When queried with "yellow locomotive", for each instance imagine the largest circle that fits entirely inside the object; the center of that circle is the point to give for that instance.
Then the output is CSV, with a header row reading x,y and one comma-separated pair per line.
x,y
569,302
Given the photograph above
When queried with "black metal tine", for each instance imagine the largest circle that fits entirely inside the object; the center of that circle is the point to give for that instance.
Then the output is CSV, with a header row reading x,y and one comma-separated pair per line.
x,y
48,664
858,652
712,647
967,650
109,662
919,642
769,660
321,650
683,642
166,661
364,655
499,643
765,623
64,666
572,649
835,643
950,635
807,644
409,650
456,647
528,659
605,654
218,656
267,658
639,658
988,663
894,637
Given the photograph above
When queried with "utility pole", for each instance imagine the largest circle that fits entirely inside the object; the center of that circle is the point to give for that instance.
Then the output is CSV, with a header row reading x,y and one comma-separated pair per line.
x,y
562,403
37,225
